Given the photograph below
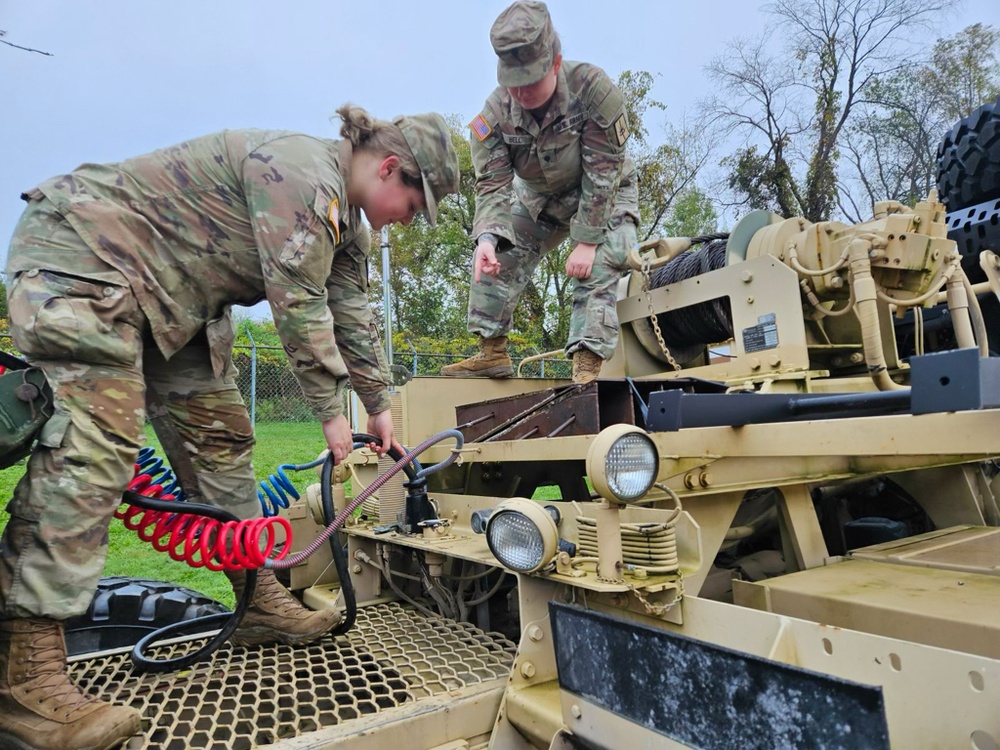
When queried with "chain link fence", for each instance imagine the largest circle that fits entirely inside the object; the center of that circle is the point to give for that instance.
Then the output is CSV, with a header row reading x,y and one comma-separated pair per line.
x,y
408,363
272,393
268,387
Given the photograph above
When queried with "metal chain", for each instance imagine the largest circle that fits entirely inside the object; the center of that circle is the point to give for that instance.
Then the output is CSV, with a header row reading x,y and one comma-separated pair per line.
x,y
604,579
656,609
646,265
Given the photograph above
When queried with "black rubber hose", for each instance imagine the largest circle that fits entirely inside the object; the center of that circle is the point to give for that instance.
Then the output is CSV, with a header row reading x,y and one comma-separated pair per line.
x,y
339,556
142,663
229,621
411,470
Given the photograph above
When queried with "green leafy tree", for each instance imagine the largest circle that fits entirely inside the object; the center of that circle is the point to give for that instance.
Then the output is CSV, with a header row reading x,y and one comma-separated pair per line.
x,y
664,171
964,70
692,214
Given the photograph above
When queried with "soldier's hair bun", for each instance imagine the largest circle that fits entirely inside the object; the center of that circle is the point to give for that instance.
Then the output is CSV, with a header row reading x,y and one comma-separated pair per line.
x,y
357,125
381,137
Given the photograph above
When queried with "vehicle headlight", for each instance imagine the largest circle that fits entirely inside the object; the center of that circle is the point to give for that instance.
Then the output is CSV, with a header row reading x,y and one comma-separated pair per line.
x,y
522,535
622,463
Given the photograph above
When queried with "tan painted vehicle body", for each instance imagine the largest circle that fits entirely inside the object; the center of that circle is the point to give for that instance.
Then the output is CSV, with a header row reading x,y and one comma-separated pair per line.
x,y
660,627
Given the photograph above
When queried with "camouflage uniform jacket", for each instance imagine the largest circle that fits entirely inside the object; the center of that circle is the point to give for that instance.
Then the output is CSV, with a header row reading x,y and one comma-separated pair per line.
x,y
233,218
572,163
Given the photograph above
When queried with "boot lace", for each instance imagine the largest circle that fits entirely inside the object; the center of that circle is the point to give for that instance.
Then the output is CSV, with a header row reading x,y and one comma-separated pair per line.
x,y
48,676
271,598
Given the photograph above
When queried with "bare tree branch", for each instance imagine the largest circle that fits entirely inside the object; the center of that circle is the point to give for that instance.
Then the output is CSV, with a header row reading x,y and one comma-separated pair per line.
x,y
18,46
834,51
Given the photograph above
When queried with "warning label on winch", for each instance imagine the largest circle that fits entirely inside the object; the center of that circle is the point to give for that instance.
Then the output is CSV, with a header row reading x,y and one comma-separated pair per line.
x,y
762,336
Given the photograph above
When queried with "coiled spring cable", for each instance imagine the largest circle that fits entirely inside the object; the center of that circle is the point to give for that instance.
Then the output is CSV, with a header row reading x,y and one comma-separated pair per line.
x,y
274,492
150,501
196,539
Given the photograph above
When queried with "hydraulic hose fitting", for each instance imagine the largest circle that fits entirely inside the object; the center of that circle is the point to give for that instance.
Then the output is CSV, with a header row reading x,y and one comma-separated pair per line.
x,y
418,506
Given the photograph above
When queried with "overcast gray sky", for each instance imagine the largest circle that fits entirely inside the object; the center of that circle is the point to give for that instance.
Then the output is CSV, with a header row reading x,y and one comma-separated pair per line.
x,y
128,76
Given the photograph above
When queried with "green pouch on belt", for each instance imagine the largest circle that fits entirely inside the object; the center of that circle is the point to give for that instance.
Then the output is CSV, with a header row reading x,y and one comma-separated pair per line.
x,y
25,405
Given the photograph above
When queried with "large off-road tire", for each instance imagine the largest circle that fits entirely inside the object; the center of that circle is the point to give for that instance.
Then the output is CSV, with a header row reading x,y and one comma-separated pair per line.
x,y
969,159
126,609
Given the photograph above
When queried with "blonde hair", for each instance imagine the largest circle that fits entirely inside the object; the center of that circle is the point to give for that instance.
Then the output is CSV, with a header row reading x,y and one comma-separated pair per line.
x,y
381,137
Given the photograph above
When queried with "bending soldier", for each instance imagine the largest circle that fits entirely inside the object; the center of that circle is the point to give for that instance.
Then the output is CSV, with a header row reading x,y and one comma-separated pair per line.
x,y
122,277
549,153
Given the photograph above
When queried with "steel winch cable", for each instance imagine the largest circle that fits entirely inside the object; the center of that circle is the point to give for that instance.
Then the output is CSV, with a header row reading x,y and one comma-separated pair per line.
x,y
702,323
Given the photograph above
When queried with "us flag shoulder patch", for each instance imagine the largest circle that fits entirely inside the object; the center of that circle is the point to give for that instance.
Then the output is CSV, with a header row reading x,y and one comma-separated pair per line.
x,y
480,127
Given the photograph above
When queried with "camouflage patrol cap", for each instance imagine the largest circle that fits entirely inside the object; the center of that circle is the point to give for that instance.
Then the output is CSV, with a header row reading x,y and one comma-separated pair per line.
x,y
429,139
523,38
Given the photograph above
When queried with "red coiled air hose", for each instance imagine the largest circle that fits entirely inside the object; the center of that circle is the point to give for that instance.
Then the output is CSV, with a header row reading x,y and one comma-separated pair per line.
x,y
201,541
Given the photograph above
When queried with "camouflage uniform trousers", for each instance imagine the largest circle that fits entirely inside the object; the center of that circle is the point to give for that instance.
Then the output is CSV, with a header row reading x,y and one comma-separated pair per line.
x,y
594,318
88,338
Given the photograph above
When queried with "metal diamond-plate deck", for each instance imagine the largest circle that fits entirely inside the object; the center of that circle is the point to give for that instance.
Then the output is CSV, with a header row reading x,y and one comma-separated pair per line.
x,y
253,697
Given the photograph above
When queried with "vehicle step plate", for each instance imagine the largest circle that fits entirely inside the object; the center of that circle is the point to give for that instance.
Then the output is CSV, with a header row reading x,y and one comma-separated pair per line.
x,y
257,696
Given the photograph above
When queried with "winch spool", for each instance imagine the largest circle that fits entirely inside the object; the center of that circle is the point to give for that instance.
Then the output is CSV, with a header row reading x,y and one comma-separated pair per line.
x,y
688,330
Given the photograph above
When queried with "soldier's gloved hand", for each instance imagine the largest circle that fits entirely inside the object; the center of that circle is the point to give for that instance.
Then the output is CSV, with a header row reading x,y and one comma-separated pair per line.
x,y
580,262
339,438
485,261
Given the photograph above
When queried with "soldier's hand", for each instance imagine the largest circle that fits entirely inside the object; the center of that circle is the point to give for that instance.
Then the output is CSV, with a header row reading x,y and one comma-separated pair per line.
x,y
380,425
485,261
339,439
580,262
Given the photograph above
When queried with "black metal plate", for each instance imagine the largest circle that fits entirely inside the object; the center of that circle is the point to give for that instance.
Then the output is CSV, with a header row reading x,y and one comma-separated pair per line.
x,y
672,410
974,229
710,697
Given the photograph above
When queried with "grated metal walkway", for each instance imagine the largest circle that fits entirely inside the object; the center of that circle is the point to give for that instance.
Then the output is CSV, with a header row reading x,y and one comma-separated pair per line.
x,y
254,697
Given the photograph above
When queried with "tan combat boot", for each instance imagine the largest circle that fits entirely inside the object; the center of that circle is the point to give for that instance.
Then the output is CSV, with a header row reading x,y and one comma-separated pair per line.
x,y
275,616
40,708
492,361
586,366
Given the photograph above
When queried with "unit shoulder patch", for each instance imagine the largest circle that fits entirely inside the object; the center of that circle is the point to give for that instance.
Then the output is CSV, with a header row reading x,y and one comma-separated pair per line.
x,y
480,128
621,130
334,217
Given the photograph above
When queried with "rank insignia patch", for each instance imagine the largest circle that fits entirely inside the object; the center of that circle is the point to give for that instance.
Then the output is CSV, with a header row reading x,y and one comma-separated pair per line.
x,y
480,127
334,216
621,130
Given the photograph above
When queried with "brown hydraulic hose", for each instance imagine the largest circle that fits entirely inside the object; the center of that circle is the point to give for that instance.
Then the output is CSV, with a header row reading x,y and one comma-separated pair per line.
x,y
866,305
958,306
976,313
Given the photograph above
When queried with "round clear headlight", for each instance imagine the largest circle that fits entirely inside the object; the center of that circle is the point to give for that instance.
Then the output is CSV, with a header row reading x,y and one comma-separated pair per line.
x,y
622,463
522,535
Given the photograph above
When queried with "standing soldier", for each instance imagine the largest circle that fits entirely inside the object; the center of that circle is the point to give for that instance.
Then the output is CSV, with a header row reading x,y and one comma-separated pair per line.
x,y
122,280
549,153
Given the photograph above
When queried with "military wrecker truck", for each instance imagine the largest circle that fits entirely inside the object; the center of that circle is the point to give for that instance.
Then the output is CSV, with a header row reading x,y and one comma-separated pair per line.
x,y
773,522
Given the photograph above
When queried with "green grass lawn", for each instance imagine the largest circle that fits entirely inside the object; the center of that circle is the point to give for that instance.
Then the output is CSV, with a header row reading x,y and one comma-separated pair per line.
x,y
277,443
